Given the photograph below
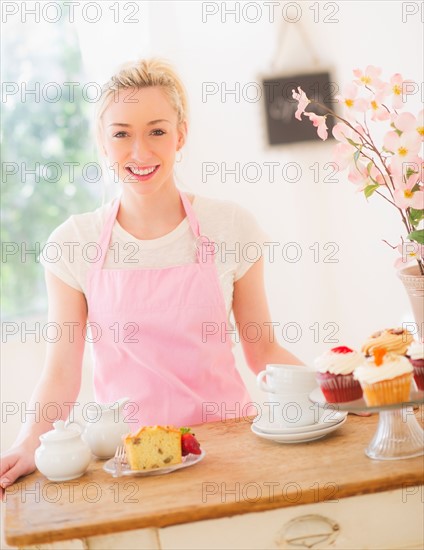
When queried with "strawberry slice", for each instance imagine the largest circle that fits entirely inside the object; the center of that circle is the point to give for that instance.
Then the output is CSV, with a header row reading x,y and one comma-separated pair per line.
x,y
342,349
189,444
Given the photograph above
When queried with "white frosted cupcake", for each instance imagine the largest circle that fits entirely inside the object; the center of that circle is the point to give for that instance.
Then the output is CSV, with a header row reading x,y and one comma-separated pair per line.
x,y
385,378
335,374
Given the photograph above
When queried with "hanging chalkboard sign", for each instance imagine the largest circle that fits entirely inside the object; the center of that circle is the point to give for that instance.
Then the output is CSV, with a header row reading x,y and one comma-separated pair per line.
x,y
282,126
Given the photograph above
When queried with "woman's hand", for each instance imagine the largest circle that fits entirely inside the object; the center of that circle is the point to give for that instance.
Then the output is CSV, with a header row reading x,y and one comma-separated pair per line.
x,y
18,461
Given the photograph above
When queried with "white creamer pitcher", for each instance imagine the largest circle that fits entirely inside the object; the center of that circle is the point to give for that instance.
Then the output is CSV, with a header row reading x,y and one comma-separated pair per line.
x,y
104,428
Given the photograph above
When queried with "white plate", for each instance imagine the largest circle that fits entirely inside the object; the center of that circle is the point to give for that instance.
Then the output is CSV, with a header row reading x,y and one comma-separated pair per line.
x,y
298,437
328,418
189,460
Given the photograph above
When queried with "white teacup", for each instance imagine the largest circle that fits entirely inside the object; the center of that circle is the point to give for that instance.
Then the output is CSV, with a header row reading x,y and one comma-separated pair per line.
x,y
288,388
287,379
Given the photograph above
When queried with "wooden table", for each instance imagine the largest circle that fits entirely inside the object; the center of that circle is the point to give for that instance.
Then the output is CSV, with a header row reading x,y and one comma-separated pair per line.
x,y
241,474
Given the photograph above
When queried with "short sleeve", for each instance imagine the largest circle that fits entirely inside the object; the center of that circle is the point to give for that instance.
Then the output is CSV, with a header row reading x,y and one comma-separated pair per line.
x,y
59,255
251,238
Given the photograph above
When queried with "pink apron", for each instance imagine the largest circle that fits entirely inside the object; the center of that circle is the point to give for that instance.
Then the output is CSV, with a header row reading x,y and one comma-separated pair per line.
x,y
151,342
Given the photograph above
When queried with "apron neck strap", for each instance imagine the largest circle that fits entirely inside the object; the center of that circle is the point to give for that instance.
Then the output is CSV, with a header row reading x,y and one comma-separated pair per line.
x,y
191,216
204,247
106,233
108,226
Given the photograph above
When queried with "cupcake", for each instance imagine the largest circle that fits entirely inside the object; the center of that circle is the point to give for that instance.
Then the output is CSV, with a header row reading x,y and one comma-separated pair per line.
x,y
396,340
334,374
415,354
385,378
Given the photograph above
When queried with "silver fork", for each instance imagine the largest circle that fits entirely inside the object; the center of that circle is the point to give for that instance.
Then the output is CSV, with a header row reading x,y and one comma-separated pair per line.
x,y
119,459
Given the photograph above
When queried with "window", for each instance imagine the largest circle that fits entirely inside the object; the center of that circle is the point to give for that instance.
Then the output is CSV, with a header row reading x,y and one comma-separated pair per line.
x,y
49,163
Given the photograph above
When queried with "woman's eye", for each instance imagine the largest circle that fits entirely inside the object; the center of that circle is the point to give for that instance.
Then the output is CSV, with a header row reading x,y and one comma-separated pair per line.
x,y
158,132
119,134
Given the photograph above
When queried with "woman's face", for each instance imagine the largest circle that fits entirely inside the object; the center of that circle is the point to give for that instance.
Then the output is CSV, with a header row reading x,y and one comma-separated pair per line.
x,y
141,138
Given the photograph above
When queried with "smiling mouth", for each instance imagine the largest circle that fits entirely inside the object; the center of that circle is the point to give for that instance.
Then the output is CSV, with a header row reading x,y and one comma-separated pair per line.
x,y
143,172
142,175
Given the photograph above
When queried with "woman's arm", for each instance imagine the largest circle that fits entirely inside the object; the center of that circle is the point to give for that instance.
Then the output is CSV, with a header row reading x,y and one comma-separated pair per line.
x,y
250,306
60,380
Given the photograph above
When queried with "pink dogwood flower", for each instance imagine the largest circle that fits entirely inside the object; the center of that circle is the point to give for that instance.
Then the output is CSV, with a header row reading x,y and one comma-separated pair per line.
x,y
403,147
303,102
410,251
351,102
398,88
319,122
407,122
363,176
369,77
342,133
378,110
358,175
414,165
343,156
405,197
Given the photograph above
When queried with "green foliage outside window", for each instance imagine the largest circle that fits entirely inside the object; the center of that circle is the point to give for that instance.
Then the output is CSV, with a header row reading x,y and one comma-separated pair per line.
x,y
38,130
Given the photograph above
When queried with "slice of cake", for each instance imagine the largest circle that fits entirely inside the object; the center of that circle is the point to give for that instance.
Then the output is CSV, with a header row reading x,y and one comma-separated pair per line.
x,y
153,447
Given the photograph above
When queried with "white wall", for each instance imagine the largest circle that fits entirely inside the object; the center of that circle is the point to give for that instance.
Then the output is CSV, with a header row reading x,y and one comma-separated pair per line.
x,y
361,292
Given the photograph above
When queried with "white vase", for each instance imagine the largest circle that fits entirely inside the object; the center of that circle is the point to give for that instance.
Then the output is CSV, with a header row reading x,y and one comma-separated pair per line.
x,y
413,282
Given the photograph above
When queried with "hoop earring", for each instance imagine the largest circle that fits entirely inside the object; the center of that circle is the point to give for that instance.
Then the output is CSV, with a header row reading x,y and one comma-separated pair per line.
x,y
181,156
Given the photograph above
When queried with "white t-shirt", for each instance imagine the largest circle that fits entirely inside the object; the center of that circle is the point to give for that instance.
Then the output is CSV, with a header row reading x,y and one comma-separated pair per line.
x,y
73,246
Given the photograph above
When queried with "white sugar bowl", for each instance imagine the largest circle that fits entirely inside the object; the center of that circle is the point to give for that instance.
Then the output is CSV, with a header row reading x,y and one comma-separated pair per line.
x,y
63,454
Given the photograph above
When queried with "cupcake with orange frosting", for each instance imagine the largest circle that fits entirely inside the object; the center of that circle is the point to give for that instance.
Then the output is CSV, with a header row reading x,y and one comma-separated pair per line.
x,y
394,340
385,378
335,374
415,355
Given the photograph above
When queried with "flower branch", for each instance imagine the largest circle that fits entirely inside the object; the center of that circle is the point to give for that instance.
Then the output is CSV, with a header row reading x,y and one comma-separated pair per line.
x,y
396,165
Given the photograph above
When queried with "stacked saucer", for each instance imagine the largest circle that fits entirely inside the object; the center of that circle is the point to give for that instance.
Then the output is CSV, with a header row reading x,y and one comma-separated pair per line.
x,y
329,422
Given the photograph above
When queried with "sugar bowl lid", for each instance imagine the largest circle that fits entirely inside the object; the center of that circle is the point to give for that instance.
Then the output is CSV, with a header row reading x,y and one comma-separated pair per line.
x,y
60,432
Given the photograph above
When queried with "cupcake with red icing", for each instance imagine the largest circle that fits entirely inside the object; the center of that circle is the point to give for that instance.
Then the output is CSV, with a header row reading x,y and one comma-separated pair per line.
x,y
335,374
415,354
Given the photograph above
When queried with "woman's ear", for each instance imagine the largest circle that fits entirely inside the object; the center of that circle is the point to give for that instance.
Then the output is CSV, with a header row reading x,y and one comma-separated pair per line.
x,y
182,134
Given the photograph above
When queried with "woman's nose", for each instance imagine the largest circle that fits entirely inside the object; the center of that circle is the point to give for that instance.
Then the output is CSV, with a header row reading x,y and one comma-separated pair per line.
x,y
141,149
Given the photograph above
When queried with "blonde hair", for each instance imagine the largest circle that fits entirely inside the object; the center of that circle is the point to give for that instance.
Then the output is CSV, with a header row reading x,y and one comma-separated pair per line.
x,y
143,73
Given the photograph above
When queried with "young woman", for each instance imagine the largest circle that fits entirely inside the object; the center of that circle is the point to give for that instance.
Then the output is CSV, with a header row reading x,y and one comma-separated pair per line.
x,y
156,273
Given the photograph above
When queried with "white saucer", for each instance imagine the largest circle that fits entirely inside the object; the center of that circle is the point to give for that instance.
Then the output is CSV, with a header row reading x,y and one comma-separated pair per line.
x,y
328,418
297,437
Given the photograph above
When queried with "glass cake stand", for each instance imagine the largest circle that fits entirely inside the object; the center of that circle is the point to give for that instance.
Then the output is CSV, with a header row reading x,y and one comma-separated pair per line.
x,y
398,435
